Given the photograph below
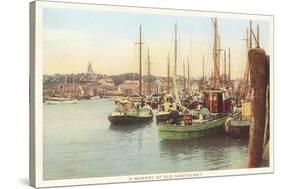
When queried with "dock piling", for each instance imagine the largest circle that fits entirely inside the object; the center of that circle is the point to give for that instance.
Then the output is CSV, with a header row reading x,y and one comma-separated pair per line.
x,y
259,82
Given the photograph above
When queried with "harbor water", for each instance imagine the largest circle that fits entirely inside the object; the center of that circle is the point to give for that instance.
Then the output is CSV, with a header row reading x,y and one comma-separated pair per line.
x,y
80,142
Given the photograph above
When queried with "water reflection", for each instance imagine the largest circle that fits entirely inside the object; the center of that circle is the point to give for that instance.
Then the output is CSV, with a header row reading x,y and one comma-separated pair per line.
x,y
210,152
130,127
207,142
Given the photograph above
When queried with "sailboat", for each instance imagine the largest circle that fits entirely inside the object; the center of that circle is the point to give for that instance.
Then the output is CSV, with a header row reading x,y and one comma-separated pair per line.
x,y
240,127
170,103
133,110
62,99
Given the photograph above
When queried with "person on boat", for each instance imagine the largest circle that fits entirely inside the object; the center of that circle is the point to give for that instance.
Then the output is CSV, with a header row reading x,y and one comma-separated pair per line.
x,y
161,100
175,116
142,102
178,108
204,112
120,107
137,106
170,99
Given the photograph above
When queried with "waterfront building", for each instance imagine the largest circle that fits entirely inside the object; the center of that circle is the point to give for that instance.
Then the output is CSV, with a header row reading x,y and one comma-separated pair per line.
x,y
129,87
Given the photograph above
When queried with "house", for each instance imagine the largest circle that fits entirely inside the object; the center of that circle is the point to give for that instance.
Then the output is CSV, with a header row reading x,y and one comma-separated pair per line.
x,y
106,82
129,87
65,90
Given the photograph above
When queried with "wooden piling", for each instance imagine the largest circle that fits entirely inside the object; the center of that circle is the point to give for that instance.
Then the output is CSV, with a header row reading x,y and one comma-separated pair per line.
x,y
267,127
266,130
259,81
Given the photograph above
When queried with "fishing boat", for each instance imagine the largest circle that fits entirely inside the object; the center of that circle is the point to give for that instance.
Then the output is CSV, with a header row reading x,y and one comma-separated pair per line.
x,y
128,112
193,128
238,128
133,110
63,98
202,121
84,97
60,100
94,97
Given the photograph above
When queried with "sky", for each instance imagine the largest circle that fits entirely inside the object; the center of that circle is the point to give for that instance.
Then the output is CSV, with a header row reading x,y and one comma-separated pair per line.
x,y
72,38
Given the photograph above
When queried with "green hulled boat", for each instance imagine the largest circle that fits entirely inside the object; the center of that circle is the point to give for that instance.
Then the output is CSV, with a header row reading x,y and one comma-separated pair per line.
x,y
198,128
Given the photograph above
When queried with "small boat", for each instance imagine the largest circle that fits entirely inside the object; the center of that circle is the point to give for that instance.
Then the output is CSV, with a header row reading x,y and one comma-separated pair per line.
x,y
84,97
239,129
105,97
194,128
63,98
60,100
128,112
134,110
94,97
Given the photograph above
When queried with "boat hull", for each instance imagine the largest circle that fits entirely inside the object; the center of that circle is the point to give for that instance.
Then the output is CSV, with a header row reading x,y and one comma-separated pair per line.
x,y
126,120
238,129
164,117
170,131
50,102
160,118
94,98
153,105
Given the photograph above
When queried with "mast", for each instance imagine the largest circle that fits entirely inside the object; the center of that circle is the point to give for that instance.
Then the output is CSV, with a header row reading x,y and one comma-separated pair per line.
x,y
140,61
177,99
247,60
189,60
224,61
168,73
216,53
245,80
219,61
248,48
188,75
140,68
64,86
73,91
246,86
258,36
214,49
175,66
229,66
203,73
251,37
148,73
184,80
176,50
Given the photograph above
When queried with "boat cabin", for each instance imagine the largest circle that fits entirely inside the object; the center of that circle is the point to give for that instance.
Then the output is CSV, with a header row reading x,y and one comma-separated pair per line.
x,y
217,101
